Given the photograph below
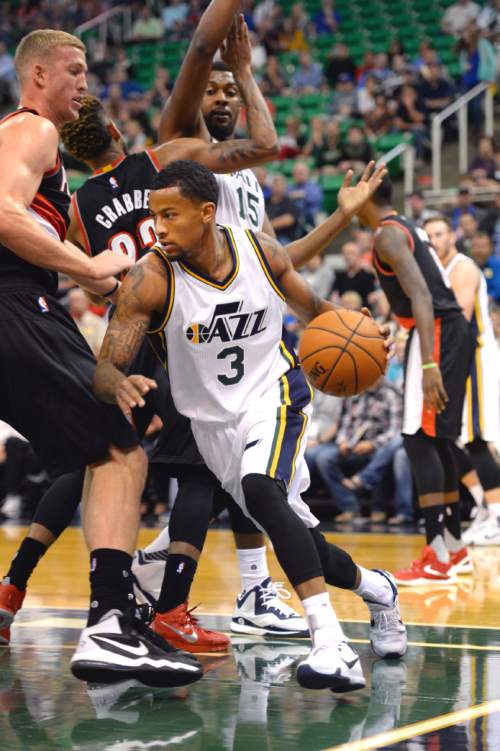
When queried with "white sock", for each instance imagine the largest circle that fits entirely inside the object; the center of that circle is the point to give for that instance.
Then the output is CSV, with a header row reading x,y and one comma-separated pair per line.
x,y
160,543
374,587
253,566
440,548
323,623
477,493
493,510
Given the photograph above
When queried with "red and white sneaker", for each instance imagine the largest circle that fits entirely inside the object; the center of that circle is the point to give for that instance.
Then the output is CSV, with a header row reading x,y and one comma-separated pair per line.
x,y
427,569
11,599
461,562
182,629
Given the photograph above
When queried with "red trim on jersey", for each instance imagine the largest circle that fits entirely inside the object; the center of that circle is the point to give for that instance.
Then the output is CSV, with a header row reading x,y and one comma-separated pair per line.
x,y
18,112
406,323
377,263
429,414
54,169
151,154
407,232
79,221
48,211
110,166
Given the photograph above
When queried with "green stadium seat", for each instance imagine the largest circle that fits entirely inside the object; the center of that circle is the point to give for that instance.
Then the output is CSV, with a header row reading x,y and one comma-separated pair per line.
x,y
331,185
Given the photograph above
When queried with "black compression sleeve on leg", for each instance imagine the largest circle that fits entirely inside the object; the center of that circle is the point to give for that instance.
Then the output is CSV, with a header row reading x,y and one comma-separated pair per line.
x,y
240,523
425,463
338,566
267,502
193,507
59,503
462,460
484,464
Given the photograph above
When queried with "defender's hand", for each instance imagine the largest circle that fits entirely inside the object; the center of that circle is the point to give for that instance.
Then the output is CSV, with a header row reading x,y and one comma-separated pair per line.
x,y
435,396
351,199
108,263
131,391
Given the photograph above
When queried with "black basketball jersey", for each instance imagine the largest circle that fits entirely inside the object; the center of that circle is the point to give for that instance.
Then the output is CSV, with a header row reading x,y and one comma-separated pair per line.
x,y
443,299
50,209
112,207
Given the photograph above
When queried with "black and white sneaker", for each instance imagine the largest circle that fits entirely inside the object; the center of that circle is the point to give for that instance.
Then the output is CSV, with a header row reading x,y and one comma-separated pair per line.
x,y
121,647
334,666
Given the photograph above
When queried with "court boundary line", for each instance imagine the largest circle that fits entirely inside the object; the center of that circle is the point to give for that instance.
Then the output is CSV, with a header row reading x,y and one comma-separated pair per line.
x,y
423,727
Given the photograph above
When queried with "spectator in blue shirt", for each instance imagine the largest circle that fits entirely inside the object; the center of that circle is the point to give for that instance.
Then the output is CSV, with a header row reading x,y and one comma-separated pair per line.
x,y
327,19
464,206
308,195
308,76
481,252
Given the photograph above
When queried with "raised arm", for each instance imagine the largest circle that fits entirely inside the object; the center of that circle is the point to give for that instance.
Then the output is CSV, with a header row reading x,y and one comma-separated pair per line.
x,y
350,200
392,247
143,292
181,114
28,149
464,281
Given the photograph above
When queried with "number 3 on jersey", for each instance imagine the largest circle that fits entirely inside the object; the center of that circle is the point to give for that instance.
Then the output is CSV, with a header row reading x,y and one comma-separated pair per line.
x,y
134,246
236,365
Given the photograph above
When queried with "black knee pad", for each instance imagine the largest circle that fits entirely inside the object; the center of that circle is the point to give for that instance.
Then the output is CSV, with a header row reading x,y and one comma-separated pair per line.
x,y
484,463
338,566
267,502
193,508
59,503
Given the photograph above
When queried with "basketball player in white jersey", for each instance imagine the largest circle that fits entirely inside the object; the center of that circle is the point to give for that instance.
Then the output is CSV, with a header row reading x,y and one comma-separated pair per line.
x,y
214,297
481,415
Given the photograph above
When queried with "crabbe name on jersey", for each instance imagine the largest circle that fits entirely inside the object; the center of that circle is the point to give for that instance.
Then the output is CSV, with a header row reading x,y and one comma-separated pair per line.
x,y
121,206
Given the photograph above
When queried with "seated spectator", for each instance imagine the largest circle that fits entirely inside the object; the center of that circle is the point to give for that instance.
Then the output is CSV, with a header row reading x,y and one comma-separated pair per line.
x,y
339,62
306,193
490,224
134,136
259,54
261,174
482,253
354,277
273,81
327,19
367,422
174,15
147,26
283,213
355,152
427,57
326,149
467,229
270,30
344,96
291,39
91,327
365,95
308,76
160,91
380,119
488,20
410,118
483,166
319,275
351,300
457,16
465,205
292,141
366,66
435,92
380,69
419,213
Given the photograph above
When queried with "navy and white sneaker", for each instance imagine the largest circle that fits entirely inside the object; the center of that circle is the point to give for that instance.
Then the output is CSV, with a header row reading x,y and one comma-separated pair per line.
x,y
122,647
333,666
148,570
261,611
387,630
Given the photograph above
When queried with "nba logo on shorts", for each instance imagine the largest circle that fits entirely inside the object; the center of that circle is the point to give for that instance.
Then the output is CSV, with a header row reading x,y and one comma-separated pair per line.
x,y
42,304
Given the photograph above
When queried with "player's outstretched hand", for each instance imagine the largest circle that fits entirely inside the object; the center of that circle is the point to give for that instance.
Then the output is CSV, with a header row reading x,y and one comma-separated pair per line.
x,y
131,393
385,331
236,50
352,198
108,263
435,396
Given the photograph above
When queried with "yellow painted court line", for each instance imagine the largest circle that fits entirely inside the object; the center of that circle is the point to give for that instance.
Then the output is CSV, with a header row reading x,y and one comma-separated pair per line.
x,y
437,645
420,728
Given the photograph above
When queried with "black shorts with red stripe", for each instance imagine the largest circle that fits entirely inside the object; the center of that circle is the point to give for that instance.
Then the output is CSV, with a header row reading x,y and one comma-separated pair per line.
x,y
453,349
46,371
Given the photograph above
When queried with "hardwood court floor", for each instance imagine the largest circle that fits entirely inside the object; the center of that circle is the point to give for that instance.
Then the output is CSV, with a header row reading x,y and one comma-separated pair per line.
x,y
444,695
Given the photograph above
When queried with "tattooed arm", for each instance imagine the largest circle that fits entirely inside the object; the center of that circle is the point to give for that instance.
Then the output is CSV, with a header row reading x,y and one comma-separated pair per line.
x,y
143,292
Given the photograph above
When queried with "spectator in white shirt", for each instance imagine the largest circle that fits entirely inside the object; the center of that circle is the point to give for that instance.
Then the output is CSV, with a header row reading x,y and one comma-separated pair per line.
x,y
458,16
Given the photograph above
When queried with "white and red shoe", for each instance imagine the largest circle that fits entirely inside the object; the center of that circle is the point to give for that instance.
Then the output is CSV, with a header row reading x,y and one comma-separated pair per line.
x,y
427,569
461,562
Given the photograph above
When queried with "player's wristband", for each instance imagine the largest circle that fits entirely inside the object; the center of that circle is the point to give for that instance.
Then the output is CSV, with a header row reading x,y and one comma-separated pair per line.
x,y
111,291
429,365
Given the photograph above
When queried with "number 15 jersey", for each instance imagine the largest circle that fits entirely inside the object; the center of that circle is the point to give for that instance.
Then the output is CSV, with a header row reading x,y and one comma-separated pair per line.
x,y
224,339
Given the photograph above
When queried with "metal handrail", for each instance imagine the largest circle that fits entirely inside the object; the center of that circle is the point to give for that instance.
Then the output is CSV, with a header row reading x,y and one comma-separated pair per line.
x,y
103,19
460,106
407,150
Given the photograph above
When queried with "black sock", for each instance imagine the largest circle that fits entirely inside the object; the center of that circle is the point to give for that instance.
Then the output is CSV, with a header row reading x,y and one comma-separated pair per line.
x,y
110,583
179,575
24,562
434,522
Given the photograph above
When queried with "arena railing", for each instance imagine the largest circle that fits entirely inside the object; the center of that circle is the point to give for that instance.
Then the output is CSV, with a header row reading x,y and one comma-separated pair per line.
x,y
459,106
407,151
115,23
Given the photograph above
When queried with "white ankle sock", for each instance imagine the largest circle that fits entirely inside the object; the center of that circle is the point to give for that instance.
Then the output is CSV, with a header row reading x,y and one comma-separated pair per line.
x,y
374,587
477,493
159,543
322,620
440,548
253,566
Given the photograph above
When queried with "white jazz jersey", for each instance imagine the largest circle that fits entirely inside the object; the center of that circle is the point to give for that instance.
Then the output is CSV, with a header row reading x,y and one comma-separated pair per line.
x,y
241,200
232,373
481,415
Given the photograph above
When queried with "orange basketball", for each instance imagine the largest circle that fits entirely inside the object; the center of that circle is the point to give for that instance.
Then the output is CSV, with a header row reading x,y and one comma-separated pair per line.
x,y
342,352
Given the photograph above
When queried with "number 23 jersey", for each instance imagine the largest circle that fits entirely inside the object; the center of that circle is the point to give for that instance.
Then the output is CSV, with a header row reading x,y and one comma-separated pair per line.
x,y
224,339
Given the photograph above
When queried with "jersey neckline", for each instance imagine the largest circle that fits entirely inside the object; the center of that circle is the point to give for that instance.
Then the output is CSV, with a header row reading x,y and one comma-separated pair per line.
x,y
109,167
224,284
